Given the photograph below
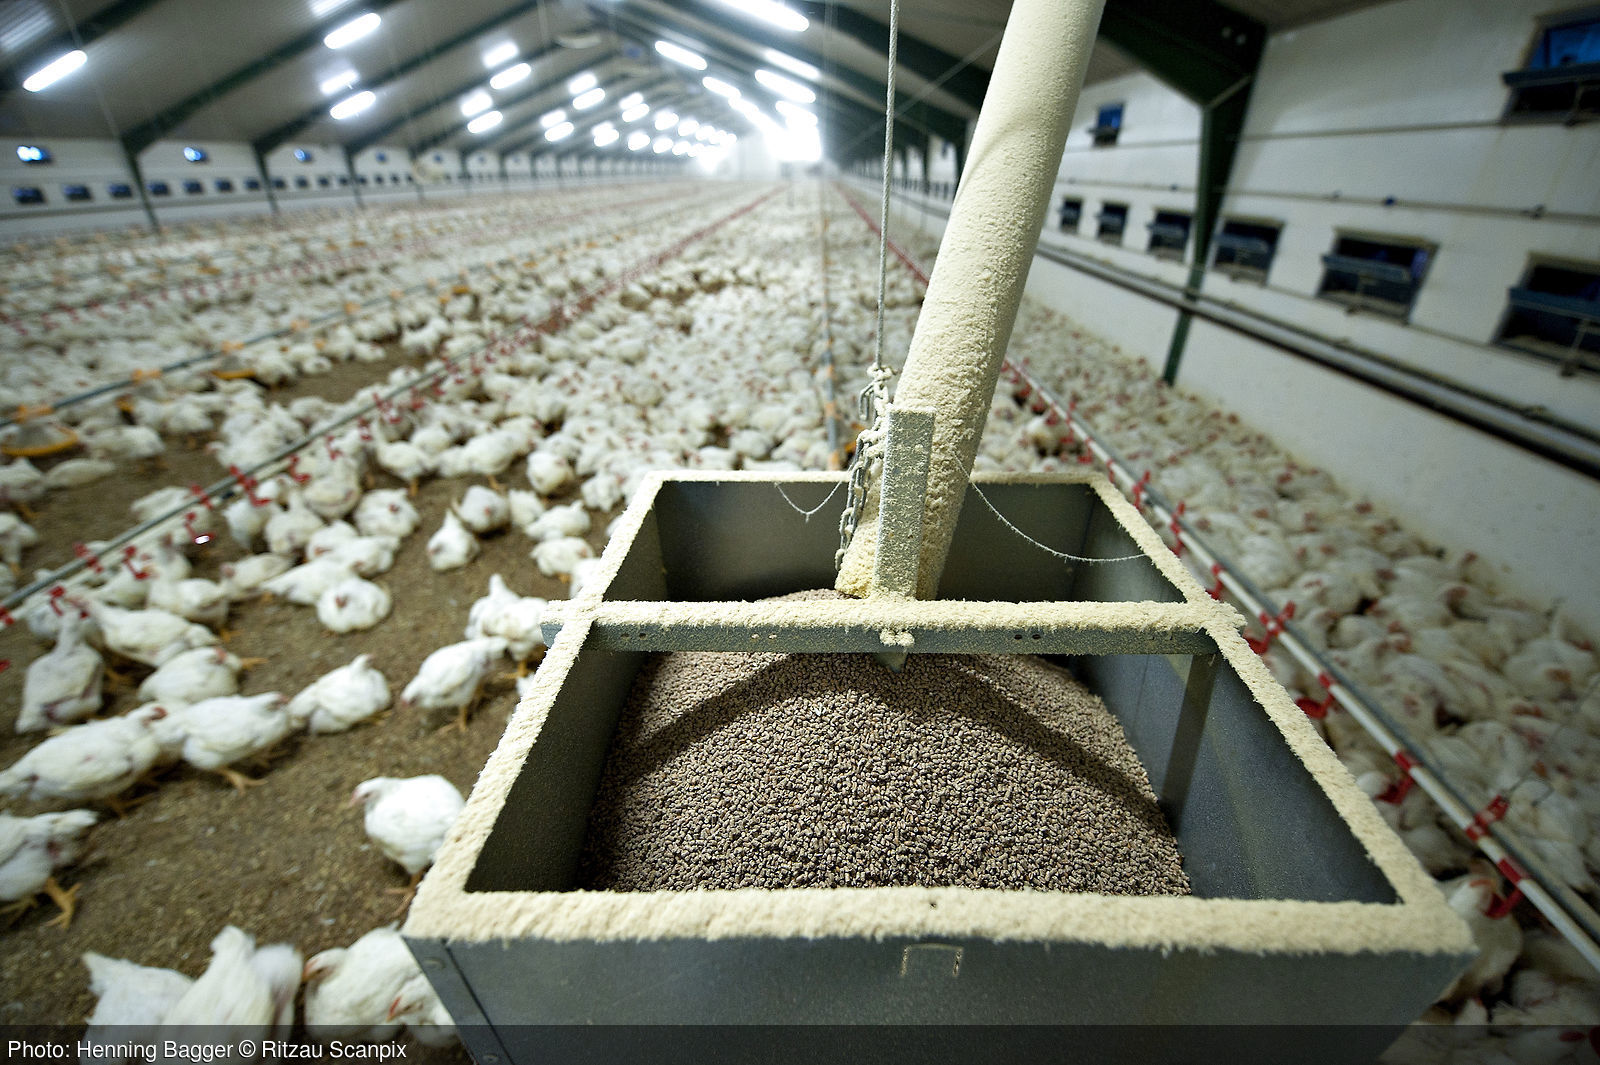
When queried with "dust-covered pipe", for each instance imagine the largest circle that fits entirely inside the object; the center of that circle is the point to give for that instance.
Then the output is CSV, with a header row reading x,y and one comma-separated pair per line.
x,y
983,263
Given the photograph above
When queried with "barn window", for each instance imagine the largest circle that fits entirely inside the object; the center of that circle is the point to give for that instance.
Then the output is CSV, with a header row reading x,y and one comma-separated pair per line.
x,y
1113,219
1169,234
1071,214
1561,78
1375,274
27,194
1555,314
1245,249
1107,125
77,193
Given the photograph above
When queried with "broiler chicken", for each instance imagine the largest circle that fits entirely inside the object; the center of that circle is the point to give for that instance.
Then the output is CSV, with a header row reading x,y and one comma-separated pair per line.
x,y
336,490
341,699
192,598
559,557
428,1022
244,992
512,617
482,510
571,520
548,473
353,604
452,546
406,461
62,686
129,997
31,850
349,989
194,676
150,637
289,530
16,536
385,512
450,678
306,582
247,574
409,818
93,761
230,728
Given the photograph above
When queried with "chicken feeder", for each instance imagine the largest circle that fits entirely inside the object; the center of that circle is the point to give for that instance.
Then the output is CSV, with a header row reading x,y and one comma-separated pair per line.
x,y
1305,908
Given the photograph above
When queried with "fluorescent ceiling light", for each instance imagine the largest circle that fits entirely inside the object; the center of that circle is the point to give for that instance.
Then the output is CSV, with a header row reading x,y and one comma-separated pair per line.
x,y
680,147
478,101
720,87
592,98
796,115
510,76
638,140
687,126
661,144
666,119
499,55
559,132
338,82
633,99
582,83
791,64
351,106
54,71
635,113
680,55
485,122
785,87
353,31
785,18
703,133
605,135
320,8
553,118
696,151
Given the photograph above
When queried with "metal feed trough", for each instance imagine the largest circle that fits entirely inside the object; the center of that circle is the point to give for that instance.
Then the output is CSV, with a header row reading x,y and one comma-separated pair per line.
x,y
1305,908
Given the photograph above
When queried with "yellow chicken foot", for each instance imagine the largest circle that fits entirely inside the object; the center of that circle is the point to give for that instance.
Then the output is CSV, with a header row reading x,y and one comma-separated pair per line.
x,y
246,664
495,484
66,900
406,894
239,781
411,488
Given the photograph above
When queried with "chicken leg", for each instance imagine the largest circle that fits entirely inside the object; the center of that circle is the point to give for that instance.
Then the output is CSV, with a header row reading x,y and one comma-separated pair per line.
x,y
239,781
406,894
66,900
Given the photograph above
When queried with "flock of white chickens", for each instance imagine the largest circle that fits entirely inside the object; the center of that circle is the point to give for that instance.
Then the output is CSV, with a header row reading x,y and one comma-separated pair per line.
x,y
552,376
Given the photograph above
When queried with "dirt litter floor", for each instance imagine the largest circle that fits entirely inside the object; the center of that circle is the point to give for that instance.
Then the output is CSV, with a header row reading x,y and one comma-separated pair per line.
x,y
287,861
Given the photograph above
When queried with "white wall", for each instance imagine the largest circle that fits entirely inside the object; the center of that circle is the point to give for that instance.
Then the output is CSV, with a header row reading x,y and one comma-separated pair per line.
x,y
321,174
379,166
95,163
163,163
1399,100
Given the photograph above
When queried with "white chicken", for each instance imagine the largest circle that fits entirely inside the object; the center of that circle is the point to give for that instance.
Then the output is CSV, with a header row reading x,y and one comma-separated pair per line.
x,y
385,512
129,997
553,524
1498,939
93,761
353,604
512,617
406,461
341,699
452,546
428,1022
336,490
558,558
31,850
482,510
220,731
524,507
193,598
150,637
450,678
195,676
245,991
367,556
409,818
289,530
329,537
349,989
305,583
548,473
16,536
247,574
62,686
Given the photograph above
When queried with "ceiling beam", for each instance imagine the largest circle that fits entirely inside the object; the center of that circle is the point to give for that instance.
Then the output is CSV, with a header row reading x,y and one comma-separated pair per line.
x,y
82,34
167,119
941,122
376,136
954,75
1201,48
270,140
